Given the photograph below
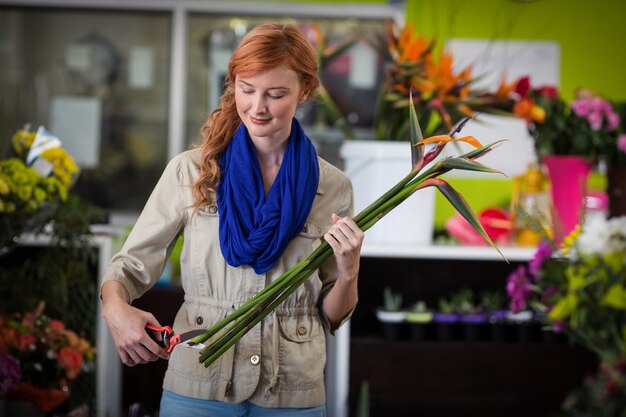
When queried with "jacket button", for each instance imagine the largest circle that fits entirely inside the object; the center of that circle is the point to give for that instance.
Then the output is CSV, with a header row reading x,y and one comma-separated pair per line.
x,y
255,359
212,209
301,331
199,320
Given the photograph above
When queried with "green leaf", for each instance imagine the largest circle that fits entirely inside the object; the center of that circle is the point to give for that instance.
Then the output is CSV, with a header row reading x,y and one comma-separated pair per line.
x,y
460,204
467,165
417,152
333,112
615,297
332,52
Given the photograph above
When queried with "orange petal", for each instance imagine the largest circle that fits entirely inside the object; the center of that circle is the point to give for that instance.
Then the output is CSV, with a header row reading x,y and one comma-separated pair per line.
x,y
446,138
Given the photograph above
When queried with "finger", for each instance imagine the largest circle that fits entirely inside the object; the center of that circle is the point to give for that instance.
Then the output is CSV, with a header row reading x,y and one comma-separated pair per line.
x,y
126,359
332,241
350,223
346,235
154,350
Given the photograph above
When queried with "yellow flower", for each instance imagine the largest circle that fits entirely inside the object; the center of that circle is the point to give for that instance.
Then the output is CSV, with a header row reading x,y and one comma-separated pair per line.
x,y
23,140
4,186
64,166
570,239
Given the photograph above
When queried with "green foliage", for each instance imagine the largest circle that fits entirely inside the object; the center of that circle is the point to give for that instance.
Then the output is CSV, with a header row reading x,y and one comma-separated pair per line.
x,y
393,301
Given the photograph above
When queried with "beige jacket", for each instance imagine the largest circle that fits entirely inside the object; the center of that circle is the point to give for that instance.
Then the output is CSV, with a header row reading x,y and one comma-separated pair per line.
x,y
279,363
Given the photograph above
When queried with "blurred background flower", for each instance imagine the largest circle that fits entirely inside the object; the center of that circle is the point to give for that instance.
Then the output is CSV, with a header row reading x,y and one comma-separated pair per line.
x,y
580,287
587,127
442,95
34,179
47,354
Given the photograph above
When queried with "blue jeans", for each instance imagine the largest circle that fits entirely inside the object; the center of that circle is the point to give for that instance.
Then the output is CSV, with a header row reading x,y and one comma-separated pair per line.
x,y
175,405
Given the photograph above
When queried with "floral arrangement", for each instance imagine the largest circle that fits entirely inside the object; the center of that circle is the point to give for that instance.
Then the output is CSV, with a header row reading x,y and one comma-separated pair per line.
x,y
442,96
35,177
40,355
602,394
580,287
587,127
225,333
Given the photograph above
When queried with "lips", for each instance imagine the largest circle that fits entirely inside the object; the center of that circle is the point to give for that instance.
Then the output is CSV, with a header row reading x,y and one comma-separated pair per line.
x,y
259,121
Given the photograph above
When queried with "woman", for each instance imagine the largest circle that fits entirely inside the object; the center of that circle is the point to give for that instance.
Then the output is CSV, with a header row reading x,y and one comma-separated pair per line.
x,y
250,203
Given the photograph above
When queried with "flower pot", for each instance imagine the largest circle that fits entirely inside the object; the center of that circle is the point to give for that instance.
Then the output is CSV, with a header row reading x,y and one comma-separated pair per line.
x,y
474,326
419,324
568,184
446,325
498,325
373,168
526,329
616,189
391,322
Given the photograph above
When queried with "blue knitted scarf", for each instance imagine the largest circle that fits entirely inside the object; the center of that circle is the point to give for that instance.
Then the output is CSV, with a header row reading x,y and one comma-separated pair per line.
x,y
254,229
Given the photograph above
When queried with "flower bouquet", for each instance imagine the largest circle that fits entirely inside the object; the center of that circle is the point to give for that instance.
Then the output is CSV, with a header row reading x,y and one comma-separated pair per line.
x,y
580,287
33,180
583,127
39,357
225,333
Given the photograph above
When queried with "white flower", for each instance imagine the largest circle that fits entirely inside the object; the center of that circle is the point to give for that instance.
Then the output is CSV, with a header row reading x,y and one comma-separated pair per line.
x,y
601,236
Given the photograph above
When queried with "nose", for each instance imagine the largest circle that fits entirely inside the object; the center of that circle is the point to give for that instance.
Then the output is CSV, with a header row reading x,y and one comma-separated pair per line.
x,y
260,105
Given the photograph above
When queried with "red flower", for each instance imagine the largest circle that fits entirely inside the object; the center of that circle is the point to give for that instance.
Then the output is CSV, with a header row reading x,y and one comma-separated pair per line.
x,y
25,342
523,86
70,360
548,91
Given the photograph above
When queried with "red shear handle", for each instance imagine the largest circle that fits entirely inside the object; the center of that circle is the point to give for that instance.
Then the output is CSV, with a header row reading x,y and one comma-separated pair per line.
x,y
167,336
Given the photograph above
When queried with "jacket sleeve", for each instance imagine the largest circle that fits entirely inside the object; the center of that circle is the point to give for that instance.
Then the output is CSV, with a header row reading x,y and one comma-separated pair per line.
x,y
343,195
142,258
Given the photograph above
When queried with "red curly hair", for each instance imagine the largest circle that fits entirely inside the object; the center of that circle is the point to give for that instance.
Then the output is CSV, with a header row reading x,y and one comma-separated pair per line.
x,y
265,47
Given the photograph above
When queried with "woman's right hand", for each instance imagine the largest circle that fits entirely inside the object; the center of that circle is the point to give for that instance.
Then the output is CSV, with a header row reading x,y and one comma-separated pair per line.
x,y
127,326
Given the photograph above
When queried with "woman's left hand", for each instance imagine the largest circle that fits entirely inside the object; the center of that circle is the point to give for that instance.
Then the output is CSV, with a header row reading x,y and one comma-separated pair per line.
x,y
346,239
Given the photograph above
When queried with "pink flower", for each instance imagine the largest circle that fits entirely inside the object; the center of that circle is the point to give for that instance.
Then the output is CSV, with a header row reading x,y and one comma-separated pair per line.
x,y
621,143
595,120
613,120
544,252
518,288
581,107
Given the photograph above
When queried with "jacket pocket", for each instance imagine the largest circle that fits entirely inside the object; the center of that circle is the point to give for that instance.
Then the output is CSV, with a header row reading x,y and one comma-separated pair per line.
x,y
184,361
302,352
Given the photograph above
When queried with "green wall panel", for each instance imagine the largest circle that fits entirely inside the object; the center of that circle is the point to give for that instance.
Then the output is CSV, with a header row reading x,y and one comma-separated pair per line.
x,y
590,34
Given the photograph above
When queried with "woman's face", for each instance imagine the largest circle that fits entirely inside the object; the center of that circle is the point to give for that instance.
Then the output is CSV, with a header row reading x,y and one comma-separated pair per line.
x,y
266,103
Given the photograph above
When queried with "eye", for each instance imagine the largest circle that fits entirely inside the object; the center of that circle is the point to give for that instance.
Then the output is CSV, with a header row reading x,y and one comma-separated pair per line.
x,y
247,91
276,97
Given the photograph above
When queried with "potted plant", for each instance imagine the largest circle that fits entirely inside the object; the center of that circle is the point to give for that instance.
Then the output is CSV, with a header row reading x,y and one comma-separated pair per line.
x,y
446,318
419,317
391,314
493,303
471,315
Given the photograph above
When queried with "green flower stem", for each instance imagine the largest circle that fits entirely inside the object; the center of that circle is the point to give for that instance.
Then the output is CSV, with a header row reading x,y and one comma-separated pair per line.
x,y
236,325
218,347
264,302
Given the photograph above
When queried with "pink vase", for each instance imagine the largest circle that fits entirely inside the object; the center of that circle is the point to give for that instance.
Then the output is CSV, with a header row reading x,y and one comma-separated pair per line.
x,y
568,178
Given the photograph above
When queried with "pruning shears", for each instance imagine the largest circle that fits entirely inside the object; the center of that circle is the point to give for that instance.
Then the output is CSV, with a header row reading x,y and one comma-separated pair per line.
x,y
169,339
